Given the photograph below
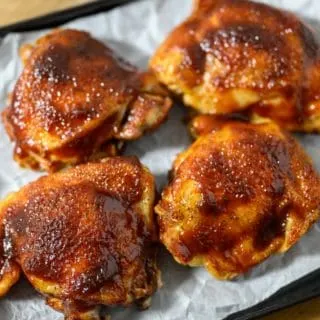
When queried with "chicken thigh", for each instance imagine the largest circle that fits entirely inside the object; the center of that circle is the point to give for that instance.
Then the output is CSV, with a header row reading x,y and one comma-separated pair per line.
x,y
241,56
83,237
239,194
76,101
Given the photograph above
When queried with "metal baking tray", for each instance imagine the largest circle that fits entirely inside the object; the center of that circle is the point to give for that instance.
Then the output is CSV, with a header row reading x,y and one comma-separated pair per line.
x,y
306,288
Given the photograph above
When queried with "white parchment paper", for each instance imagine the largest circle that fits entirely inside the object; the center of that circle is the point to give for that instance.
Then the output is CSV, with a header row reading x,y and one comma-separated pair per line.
x,y
134,31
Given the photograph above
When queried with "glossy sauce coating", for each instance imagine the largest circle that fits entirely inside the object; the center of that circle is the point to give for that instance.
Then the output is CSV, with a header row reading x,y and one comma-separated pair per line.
x,y
64,83
237,195
73,96
86,234
229,56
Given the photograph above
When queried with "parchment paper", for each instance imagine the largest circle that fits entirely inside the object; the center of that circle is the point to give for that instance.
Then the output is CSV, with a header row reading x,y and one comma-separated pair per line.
x,y
134,31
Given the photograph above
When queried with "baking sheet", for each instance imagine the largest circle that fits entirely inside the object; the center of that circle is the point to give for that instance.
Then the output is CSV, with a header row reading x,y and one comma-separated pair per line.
x,y
134,31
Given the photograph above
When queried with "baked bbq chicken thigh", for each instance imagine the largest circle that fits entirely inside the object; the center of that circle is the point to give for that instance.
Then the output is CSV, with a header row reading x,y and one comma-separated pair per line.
x,y
83,237
236,196
235,56
76,101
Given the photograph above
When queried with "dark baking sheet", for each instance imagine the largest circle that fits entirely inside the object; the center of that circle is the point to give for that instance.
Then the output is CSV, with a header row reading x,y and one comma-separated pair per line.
x,y
60,17
299,291
296,292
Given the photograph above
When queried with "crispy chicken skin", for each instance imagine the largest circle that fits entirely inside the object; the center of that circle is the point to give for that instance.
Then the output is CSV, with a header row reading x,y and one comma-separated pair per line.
x,y
83,237
76,101
236,196
235,55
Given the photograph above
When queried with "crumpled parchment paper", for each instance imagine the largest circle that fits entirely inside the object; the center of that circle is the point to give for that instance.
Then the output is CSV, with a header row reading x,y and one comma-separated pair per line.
x,y
134,31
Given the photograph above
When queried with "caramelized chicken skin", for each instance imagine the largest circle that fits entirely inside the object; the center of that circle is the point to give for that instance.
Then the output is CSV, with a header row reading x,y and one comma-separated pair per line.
x,y
236,196
235,55
83,237
76,100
